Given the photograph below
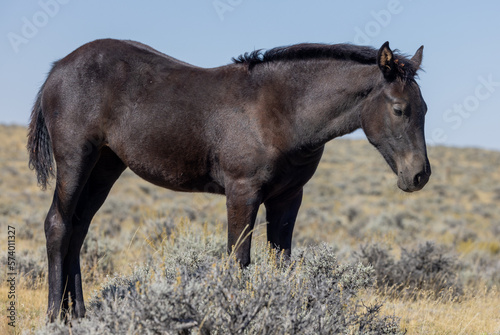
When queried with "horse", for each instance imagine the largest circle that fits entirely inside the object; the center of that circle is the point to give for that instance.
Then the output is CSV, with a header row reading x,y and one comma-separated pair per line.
x,y
253,130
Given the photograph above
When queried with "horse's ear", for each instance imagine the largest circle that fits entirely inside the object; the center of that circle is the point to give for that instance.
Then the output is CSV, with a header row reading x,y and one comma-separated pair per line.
x,y
417,57
385,61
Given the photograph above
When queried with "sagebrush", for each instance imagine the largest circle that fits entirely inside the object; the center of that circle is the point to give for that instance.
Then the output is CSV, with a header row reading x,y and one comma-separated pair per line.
x,y
313,295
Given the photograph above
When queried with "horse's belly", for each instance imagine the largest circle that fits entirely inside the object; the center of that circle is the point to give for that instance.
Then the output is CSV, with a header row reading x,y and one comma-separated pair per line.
x,y
177,175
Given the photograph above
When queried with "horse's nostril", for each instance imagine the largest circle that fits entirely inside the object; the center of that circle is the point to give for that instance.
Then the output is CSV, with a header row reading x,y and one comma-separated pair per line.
x,y
417,179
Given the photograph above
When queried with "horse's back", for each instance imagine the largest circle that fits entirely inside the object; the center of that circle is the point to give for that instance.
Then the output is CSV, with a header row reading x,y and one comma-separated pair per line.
x,y
107,83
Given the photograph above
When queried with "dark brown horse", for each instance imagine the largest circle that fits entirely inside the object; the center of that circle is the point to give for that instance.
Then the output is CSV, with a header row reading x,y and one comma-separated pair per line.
x,y
253,130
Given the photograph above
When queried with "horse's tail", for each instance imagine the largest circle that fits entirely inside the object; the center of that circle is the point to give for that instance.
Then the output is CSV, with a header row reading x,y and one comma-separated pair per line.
x,y
39,144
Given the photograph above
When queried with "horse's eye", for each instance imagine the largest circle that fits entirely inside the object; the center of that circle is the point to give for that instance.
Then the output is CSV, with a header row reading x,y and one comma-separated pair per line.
x,y
398,110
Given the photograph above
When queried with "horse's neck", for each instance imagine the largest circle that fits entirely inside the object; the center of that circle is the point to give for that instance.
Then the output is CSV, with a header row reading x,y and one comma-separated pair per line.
x,y
326,100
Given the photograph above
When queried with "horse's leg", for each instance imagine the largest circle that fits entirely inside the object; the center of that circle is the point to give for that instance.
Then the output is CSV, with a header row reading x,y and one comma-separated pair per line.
x,y
281,214
73,170
104,174
242,203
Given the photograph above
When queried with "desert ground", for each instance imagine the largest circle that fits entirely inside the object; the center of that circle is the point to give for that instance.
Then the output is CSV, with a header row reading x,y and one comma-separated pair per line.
x,y
389,262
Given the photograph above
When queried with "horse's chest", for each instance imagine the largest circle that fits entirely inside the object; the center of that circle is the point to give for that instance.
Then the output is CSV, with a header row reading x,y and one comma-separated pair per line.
x,y
292,173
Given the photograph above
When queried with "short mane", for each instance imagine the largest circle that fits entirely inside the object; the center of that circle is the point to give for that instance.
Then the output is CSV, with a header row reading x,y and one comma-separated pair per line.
x,y
305,51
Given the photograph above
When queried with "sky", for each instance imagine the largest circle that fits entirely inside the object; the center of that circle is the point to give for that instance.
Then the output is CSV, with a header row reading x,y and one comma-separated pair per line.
x,y
460,81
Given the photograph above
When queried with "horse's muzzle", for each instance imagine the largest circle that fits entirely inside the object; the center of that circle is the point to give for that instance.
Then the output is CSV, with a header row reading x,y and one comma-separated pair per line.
x,y
411,179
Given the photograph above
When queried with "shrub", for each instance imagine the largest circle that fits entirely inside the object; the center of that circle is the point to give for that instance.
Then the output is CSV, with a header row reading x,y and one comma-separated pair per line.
x,y
95,256
313,295
31,267
427,269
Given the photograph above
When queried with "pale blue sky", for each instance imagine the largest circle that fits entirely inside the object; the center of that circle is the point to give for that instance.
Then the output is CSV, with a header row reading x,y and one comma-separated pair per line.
x,y
461,82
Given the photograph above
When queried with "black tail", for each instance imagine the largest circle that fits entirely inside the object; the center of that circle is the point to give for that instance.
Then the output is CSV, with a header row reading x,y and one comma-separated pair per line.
x,y
39,144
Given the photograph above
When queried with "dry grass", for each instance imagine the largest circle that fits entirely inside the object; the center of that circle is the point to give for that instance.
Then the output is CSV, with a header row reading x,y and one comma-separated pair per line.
x,y
352,200
31,307
477,312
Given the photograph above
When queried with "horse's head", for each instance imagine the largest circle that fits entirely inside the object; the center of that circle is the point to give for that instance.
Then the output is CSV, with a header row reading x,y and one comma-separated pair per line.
x,y
393,119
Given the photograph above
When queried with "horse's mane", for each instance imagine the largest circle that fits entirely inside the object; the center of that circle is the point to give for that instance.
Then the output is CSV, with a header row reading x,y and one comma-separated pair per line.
x,y
306,51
